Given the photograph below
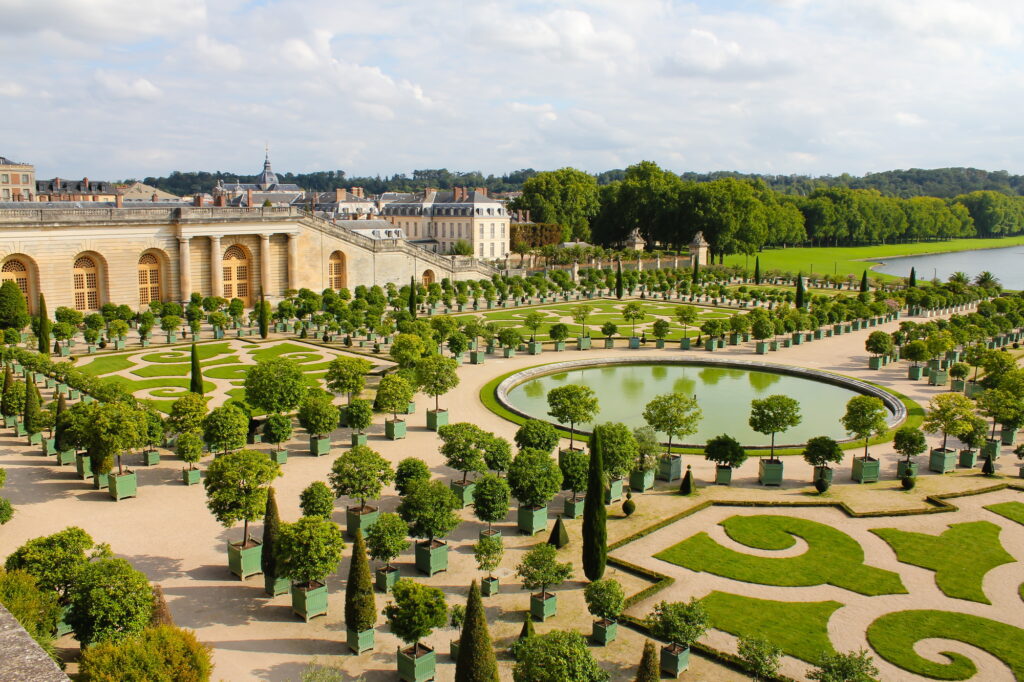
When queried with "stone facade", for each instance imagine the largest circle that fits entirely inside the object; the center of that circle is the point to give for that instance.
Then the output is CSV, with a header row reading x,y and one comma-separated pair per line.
x,y
17,180
84,257
439,219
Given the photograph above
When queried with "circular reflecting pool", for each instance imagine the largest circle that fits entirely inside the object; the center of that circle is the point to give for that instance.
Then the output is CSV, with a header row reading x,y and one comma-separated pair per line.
x,y
724,391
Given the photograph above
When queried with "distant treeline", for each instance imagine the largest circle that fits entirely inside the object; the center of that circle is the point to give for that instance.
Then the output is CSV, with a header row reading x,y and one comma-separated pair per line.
x,y
944,183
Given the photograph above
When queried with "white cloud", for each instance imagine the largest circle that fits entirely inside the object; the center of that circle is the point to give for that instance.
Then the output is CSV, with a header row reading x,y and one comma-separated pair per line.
x,y
217,54
11,90
124,87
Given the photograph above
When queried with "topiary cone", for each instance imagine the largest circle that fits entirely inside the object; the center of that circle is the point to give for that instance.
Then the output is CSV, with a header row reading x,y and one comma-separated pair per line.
x,y
989,469
476,661
648,671
559,535
686,486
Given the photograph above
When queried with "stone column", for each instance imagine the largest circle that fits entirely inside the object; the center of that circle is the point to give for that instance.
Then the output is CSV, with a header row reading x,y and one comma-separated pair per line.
x,y
216,267
265,264
293,261
184,268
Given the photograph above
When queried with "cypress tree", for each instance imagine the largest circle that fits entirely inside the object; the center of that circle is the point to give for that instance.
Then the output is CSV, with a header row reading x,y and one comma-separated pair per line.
x,y
559,536
913,277
618,282
864,282
696,270
476,662
196,380
32,408
527,630
271,528
58,425
757,270
8,378
988,468
412,297
595,517
800,290
263,317
648,671
360,605
686,487
44,327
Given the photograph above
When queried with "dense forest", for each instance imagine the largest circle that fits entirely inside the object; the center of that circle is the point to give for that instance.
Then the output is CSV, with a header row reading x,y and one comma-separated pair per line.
x,y
944,183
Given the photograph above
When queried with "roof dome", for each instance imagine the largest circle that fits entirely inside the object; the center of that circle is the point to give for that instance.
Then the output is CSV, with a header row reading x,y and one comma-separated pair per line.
x,y
268,178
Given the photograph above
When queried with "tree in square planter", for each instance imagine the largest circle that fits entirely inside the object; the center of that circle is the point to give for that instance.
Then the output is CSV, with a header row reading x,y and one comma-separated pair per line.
x,y
533,321
572,404
385,540
948,413
660,330
879,344
727,453
686,316
273,584
580,314
762,329
169,324
225,428
488,552
275,386
462,445
306,552
633,312
236,490
393,395
974,439
277,429
435,376
413,613
534,478
106,431
958,373
605,601
429,510
917,352
33,415
680,624
641,477
620,451
819,452
864,418
358,415
909,442
609,329
491,505
319,417
771,415
539,570
574,465
189,447
676,415
347,375
360,605
361,474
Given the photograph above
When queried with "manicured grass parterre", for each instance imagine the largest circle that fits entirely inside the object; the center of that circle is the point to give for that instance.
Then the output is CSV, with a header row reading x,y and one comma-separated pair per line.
x,y
832,557
1010,510
800,629
960,557
893,636
105,364
853,260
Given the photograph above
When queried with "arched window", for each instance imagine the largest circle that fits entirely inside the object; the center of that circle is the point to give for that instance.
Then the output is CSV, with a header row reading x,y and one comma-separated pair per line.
x,y
428,277
336,275
236,274
15,271
86,277
149,279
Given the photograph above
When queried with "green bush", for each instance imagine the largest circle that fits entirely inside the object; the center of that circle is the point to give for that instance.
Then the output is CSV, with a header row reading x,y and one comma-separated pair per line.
x,y
35,609
821,485
628,507
908,482
160,653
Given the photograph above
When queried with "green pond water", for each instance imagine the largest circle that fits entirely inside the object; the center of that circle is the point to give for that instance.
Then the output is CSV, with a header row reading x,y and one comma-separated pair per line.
x,y
724,394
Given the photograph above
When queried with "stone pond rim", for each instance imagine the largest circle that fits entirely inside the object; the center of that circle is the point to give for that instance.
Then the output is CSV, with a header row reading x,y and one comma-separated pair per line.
x,y
897,410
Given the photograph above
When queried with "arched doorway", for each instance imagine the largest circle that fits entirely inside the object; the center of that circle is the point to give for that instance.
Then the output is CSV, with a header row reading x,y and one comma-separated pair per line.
x,y
428,277
149,279
16,271
236,274
337,275
86,279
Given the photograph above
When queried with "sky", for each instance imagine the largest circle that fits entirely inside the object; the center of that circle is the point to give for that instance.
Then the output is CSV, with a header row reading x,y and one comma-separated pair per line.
x,y
112,90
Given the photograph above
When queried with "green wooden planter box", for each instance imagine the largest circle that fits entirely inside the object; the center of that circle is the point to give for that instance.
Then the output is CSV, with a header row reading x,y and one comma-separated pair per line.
x,y
613,493
385,578
463,491
875,362
640,481
436,418
490,586
723,475
583,343
360,519
432,559
634,342
659,343
63,627
670,468
476,357
973,390
66,457
710,345
609,343
410,408
359,641
48,446
684,343
532,520
905,468
761,348
19,428
319,446
35,439
417,664
100,481
150,458
823,472
276,586
1007,436
534,347
245,562
942,461
309,602
83,465
508,352
675,660
74,394
865,470
358,439
123,485
191,476
279,456
769,471
394,429
939,377
454,649
968,459
604,632
9,420
543,607
990,449
172,337
958,385
572,507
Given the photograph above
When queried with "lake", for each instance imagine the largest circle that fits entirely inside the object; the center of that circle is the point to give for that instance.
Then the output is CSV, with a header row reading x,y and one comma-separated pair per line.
x,y
1005,263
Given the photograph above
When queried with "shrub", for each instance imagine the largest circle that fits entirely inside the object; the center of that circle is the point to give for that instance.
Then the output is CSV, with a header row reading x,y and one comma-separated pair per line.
x,y
409,472
908,482
317,500
110,600
536,434
605,598
36,609
160,653
822,485
628,507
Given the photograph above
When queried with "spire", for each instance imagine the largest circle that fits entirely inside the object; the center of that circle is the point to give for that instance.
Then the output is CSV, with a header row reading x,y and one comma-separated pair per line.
x,y
268,178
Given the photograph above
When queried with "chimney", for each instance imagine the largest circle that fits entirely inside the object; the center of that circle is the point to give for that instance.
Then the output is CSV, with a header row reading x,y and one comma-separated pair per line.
x,y
248,198
220,200
197,200
119,200
482,190
357,192
339,194
85,184
155,198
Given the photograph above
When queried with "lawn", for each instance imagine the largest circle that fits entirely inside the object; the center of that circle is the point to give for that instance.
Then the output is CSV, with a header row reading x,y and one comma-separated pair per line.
x,y
893,636
800,629
832,557
1010,510
850,260
960,556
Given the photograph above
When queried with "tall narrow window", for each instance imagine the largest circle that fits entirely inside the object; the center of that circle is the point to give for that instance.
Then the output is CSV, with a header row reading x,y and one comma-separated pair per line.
x,y
236,274
86,278
149,279
336,274
16,271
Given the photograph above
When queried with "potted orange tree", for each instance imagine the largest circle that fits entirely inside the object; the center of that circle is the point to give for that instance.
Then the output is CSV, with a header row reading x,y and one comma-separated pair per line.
x,y
360,473
306,552
413,614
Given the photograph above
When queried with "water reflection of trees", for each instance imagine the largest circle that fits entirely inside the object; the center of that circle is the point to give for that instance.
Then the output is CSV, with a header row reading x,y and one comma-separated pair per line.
x,y
659,372
761,381
684,385
534,389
